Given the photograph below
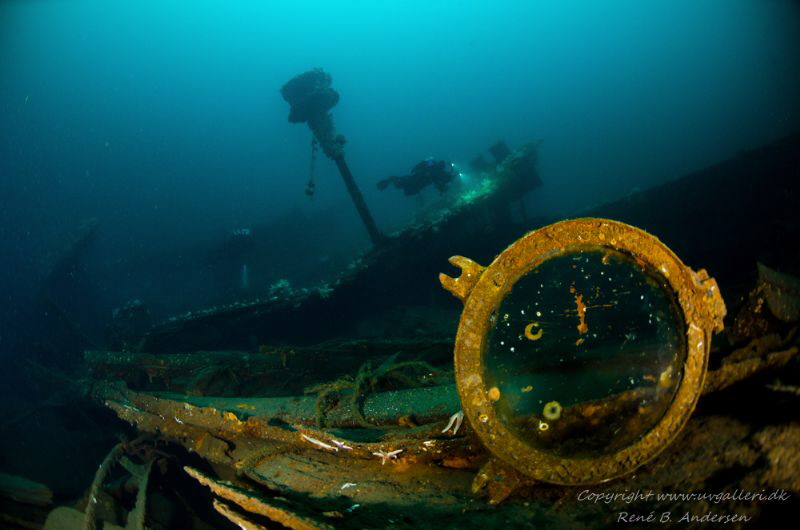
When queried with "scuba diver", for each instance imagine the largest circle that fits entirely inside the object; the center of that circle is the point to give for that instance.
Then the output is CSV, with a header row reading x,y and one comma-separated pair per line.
x,y
429,171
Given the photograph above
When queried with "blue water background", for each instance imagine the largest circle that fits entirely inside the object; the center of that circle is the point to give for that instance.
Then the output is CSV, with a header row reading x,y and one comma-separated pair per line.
x,y
163,120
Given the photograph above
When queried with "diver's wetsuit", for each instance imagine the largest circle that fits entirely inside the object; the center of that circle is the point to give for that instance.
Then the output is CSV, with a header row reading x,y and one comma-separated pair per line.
x,y
430,171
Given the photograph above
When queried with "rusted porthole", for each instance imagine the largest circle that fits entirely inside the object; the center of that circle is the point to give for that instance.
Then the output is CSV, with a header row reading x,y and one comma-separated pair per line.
x,y
582,349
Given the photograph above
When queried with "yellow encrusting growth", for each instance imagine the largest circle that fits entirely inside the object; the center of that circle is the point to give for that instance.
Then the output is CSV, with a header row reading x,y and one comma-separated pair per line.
x,y
552,410
529,334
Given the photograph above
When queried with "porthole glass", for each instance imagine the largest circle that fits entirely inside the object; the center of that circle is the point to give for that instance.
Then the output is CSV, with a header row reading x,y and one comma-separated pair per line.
x,y
585,353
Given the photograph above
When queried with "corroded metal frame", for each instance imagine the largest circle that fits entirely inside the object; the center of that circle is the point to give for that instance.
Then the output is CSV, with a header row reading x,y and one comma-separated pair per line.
x,y
483,289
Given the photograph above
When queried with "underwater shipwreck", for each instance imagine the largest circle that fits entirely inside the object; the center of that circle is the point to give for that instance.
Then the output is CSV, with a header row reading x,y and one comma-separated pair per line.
x,y
640,358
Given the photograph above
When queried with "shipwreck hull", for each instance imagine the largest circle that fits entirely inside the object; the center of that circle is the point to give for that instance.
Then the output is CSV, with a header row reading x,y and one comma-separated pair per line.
x,y
312,434
724,218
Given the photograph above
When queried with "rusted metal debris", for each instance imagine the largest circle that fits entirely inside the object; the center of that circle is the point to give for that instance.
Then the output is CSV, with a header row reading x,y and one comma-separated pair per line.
x,y
274,370
25,490
396,448
782,293
232,432
343,476
275,510
768,307
759,355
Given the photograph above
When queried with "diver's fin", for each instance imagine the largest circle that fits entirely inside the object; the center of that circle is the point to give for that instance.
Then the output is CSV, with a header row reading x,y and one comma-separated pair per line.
x,y
383,184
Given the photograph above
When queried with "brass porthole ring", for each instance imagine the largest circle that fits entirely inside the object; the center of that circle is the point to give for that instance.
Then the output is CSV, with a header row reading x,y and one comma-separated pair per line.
x,y
582,349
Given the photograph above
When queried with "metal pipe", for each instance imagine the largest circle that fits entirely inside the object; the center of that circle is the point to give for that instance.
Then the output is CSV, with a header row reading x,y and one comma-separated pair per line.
x,y
311,97
366,217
